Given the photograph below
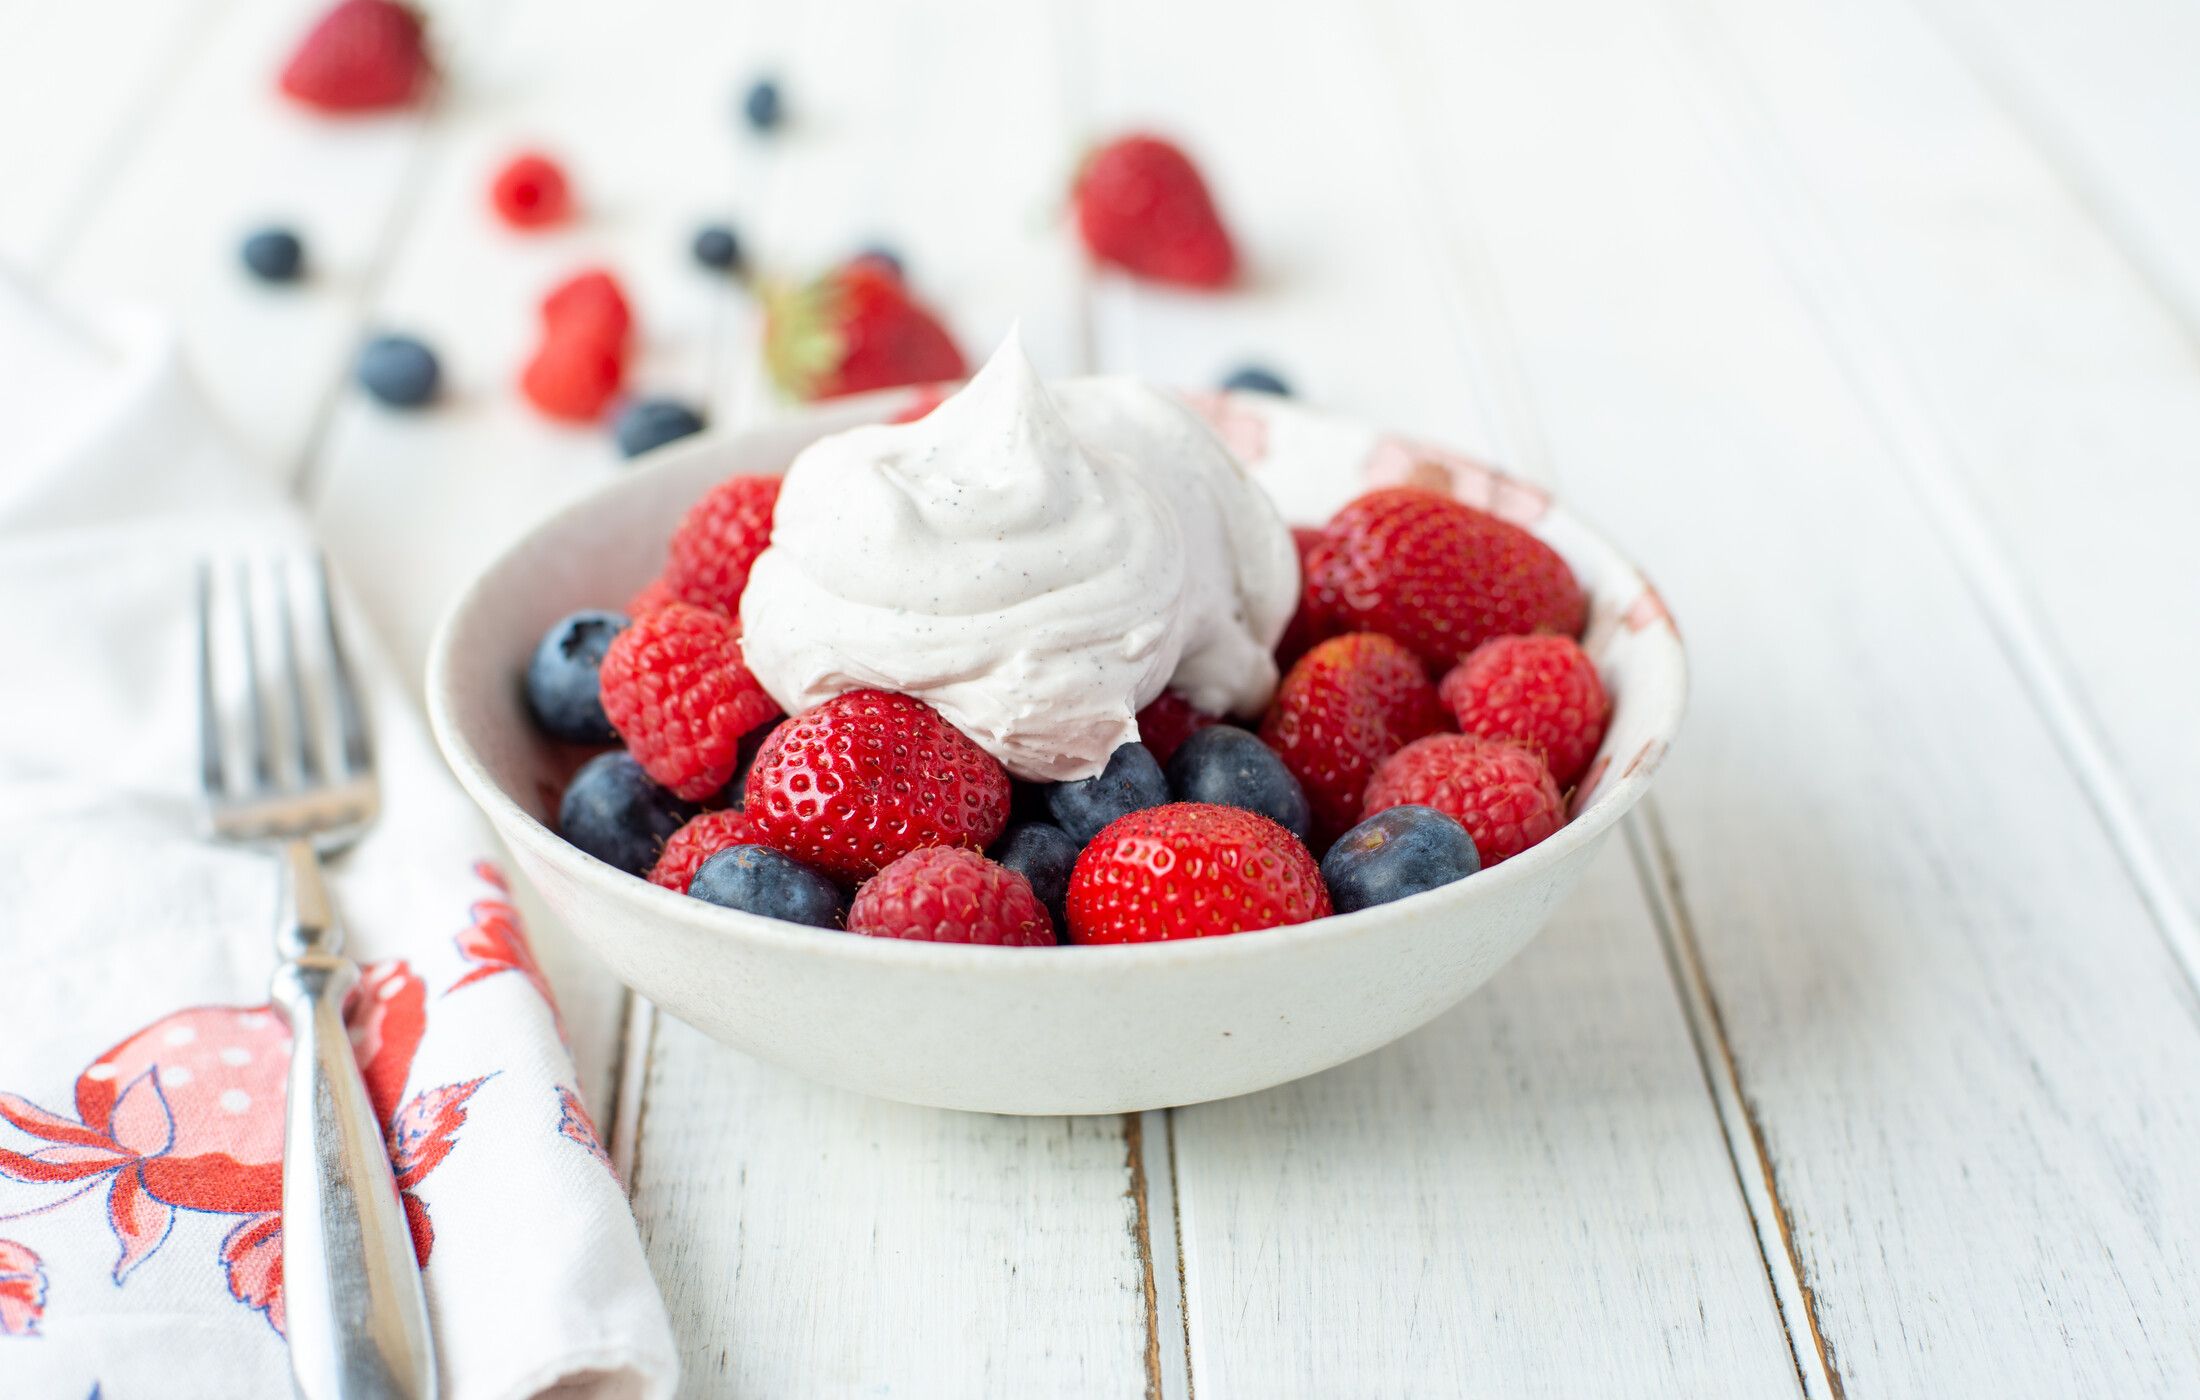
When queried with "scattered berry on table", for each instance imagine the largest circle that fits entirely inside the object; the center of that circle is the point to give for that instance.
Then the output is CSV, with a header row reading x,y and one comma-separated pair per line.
x,y
1130,781
717,246
1142,206
1189,870
1044,854
562,689
762,107
1302,632
1541,690
678,692
1438,575
1257,379
615,813
760,880
573,378
868,777
274,255
1228,767
703,837
1168,722
359,56
883,258
1397,852
707,562
589,305
1348,704
1500,791
399,371
531,192
648,423
946,894
855,328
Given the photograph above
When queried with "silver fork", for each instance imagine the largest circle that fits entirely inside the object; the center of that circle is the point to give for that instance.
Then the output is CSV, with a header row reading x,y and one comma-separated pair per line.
x,y
357,1314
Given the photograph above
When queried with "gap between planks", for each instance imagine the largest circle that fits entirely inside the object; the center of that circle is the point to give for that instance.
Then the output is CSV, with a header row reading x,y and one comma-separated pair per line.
x,y
1744,139
1658,874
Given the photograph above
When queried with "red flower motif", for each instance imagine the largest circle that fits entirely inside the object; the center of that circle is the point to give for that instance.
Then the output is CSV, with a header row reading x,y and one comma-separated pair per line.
x,y
496,943
1647,610
197,1124
1396,461
22,1290
574,1122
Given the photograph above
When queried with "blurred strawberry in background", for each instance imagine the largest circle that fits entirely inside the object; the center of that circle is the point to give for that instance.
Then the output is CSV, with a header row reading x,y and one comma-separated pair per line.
x,y
361,56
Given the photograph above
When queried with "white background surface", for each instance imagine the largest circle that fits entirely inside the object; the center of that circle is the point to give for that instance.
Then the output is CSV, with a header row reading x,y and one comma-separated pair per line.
x,y
1865,1066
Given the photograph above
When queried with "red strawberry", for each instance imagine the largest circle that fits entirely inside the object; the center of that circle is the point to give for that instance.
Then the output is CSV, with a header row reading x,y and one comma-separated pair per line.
x,y
573,378
868,777
1168,722
590,305
1501,792
676,689
1440,576
945,894
530,191
1347,705
1191,870
1142,206
853,329
361,56
1302,632
708,561
1543,691
703,837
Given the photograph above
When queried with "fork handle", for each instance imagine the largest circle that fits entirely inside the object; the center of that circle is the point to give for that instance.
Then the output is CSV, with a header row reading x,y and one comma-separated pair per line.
x,y
356,1313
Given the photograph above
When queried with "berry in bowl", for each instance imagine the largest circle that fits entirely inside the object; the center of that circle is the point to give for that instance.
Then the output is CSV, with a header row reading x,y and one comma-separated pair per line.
x,y
1008,751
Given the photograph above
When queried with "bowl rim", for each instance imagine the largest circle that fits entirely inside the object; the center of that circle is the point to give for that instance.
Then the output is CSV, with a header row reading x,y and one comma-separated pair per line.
x,y
520,826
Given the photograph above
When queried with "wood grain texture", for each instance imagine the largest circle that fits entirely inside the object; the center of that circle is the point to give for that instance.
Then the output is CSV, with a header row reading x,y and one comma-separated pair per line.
x,y
819,1243
1963,1036
1456,1210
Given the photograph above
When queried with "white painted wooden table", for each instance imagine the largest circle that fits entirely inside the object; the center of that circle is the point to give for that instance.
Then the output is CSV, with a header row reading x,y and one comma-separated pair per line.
x,y
1867,1065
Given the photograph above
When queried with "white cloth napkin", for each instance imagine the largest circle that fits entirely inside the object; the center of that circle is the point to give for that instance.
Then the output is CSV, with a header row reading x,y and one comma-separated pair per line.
x,y
141,1092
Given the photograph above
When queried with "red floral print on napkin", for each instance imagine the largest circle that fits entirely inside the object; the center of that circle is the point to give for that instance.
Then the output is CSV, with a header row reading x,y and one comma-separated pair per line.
x,y
574,1123
187,1114
22,1290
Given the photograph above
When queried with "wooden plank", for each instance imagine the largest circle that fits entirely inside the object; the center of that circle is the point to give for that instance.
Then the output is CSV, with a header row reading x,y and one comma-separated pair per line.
x,y
820,1243
2107,95
1967,1047
1534,1193
227,155
78,86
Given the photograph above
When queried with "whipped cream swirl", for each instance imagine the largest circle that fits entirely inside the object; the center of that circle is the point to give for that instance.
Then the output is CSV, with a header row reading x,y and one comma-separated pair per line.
x,y
1035,563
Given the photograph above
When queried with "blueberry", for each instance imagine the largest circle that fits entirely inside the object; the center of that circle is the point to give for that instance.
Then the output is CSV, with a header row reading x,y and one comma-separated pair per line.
x,y
274,255
1227,766
1258,379
399,371
716,246
1397,852
760,880
762,106
561,678
615,813
1131,782
647,423
1043,854
884,256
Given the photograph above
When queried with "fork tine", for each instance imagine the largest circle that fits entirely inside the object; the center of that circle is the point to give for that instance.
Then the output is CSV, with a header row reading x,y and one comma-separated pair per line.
x,y
210,728
261,747
301,728
351,718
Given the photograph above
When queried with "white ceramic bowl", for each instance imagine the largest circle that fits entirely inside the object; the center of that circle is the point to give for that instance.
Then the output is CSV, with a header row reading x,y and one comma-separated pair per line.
x,y
1063,1030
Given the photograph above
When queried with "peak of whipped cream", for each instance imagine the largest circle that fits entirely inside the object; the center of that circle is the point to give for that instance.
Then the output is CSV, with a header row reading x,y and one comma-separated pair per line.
x,y
1034,561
